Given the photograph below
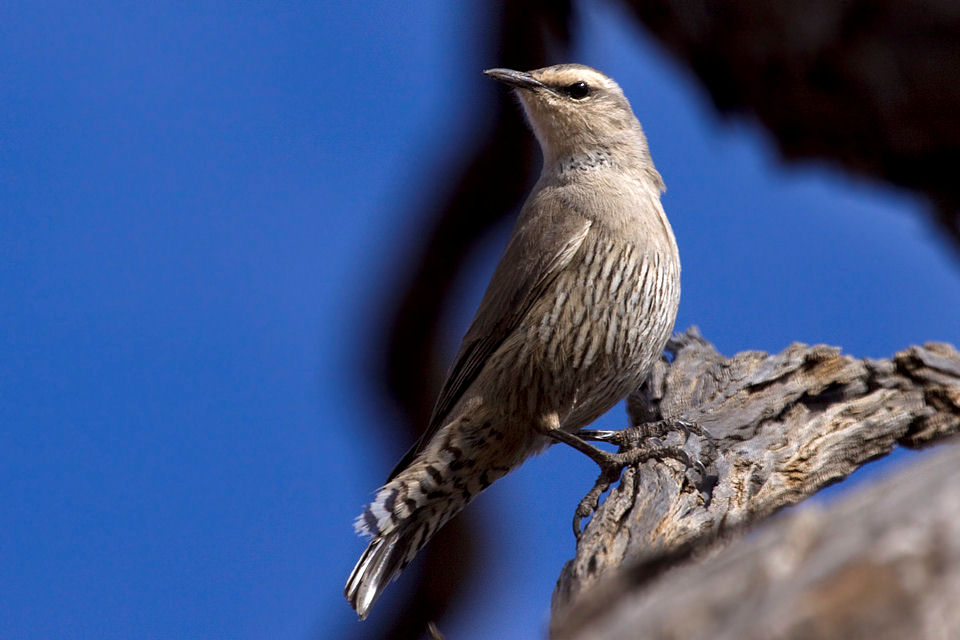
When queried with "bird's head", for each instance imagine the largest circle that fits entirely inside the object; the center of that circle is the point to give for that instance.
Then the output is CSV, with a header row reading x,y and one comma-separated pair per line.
x,y
574,109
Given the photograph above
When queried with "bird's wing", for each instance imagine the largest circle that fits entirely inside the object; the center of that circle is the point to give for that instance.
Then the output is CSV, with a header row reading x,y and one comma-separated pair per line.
x,y
534,257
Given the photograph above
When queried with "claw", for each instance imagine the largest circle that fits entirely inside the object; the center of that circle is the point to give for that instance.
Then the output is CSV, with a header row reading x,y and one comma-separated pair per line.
x,y
611,467
590,502
588,505
689,427
602,435
612,464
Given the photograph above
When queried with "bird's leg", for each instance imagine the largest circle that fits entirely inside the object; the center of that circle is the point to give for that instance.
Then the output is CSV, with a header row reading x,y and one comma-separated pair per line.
x,y
611,466
603,435
623,437
631,436
632,451
610,471
579,443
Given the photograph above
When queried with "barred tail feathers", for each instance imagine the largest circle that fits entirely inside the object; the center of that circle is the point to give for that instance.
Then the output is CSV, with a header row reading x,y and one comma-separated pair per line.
x,y
396,541
378,565
405,514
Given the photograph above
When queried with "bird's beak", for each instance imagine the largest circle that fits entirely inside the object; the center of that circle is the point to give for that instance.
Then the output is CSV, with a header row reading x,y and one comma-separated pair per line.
x,y
518,79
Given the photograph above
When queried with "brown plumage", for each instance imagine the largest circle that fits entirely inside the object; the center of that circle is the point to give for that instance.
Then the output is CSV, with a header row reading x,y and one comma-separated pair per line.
x,y
580,305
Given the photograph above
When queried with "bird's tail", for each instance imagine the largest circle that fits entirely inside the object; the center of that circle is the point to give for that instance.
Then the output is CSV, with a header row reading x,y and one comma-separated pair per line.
x,y
409,509
380,563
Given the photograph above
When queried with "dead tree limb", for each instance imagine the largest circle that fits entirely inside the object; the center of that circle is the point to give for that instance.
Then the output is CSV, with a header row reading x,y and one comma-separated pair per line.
x,y
882,564
783,427
871,85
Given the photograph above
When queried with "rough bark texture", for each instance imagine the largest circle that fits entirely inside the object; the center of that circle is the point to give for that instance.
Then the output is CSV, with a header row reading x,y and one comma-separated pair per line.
x,y
884,563
782,426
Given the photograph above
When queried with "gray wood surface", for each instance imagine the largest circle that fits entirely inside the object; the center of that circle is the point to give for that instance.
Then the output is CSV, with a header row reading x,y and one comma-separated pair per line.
x,y
782,427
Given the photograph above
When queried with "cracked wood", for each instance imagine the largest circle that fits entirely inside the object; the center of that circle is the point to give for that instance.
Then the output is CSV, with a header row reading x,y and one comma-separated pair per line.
x,y
783,426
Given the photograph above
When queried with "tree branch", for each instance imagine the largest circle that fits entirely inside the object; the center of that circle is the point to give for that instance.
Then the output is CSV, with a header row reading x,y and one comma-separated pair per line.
x,y
871,85
783,427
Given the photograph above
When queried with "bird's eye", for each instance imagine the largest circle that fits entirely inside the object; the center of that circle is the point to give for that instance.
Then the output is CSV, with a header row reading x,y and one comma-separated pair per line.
x,y
578,90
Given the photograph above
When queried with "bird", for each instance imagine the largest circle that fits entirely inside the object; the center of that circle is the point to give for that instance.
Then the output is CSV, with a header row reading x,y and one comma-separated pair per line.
x,y
579,307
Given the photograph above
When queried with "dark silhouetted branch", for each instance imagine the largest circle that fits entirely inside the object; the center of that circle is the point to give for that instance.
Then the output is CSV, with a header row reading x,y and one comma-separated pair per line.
x,y
482,187
872,85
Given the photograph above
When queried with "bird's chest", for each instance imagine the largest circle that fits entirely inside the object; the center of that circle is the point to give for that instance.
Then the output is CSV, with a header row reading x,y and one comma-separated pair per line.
x,y
609,312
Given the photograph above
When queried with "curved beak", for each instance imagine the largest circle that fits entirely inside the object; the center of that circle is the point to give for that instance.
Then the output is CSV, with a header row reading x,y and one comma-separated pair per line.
x,y
518,79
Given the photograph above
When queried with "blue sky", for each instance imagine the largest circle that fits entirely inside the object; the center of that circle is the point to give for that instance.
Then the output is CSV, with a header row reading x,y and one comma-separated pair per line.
x,y
202,211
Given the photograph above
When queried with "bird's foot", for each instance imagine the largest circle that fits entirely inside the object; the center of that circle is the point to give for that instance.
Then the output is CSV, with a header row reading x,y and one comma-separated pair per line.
x,y
632,436
637,445
612,466
613,436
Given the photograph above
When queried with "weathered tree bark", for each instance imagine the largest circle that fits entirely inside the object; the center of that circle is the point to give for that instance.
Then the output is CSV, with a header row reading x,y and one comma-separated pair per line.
x,y
884,563
782,427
